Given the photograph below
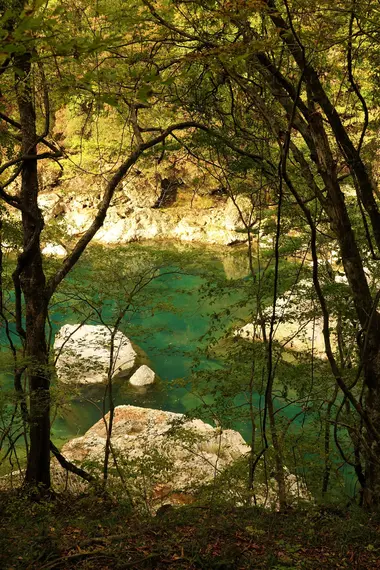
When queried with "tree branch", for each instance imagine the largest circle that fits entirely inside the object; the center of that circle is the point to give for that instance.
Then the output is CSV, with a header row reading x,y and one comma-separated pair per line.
x,y
17,126
71,467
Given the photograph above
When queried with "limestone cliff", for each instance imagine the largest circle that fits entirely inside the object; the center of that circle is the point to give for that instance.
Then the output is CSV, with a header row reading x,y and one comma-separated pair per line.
x,y
140,211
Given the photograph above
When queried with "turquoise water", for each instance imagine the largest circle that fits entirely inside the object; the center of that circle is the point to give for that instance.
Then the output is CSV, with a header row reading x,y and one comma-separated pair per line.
x,y
169,322
194,289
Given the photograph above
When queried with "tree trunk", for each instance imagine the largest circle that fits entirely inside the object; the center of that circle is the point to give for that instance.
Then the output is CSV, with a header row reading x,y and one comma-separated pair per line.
x,y
32,281
371,493
279,460
38,467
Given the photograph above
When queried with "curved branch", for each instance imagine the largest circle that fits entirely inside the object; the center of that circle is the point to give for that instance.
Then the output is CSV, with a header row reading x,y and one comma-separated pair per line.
x,y
41,156
353,83
71,467
17,126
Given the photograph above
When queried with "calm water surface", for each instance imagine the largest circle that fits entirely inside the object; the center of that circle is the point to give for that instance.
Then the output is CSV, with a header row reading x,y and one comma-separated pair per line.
x,y
170,324
170,335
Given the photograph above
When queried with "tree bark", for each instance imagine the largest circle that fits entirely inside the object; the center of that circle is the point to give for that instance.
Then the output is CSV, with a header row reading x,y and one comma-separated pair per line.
x,y
31,278
371,495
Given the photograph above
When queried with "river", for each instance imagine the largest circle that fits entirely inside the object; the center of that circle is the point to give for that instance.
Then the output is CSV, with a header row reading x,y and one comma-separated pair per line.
x,y
195,296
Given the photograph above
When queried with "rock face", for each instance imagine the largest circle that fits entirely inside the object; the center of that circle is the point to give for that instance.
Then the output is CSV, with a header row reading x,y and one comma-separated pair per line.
x,y
137,224
48,202
83,354
238,213
143,376
186,453
133,217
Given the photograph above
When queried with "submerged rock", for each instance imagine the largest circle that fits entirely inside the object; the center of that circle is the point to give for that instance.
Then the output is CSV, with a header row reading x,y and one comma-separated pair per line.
x,y
83,354
143,376
298,322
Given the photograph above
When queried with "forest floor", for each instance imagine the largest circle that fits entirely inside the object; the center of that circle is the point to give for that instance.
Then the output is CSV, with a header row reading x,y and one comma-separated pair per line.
x,y
89,532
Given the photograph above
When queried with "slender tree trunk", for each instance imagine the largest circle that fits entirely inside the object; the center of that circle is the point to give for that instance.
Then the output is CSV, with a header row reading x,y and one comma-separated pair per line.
x,y
109,389
279,460
371,494
327,443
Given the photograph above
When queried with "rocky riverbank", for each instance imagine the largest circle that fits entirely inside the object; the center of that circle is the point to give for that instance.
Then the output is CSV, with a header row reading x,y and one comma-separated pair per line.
x,y
182,454
135,213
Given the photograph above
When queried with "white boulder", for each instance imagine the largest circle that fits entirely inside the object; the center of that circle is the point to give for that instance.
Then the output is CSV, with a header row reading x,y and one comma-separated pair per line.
x,y
83,354
143,376
47,202
189,452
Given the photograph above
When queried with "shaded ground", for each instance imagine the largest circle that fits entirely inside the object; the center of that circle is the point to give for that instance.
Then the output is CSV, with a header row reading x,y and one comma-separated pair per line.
x,y
91,532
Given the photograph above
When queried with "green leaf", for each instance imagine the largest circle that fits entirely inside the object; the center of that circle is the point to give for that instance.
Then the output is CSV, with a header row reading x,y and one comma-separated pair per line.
x,y
143,93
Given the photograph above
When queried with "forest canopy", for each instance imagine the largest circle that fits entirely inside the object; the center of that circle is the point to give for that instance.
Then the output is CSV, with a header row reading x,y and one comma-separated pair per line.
x,y
275,104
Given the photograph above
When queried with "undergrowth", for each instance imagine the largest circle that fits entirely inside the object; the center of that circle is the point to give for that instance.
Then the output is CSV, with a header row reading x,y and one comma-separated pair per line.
x,y
90,532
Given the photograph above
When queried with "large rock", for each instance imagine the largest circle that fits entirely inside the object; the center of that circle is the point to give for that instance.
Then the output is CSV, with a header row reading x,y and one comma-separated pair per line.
x,y
143,376
139,191
83,354
47,201
182,453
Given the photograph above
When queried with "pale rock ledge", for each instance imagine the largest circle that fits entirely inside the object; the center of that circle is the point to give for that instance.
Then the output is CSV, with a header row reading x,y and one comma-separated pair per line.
x,y
298,322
